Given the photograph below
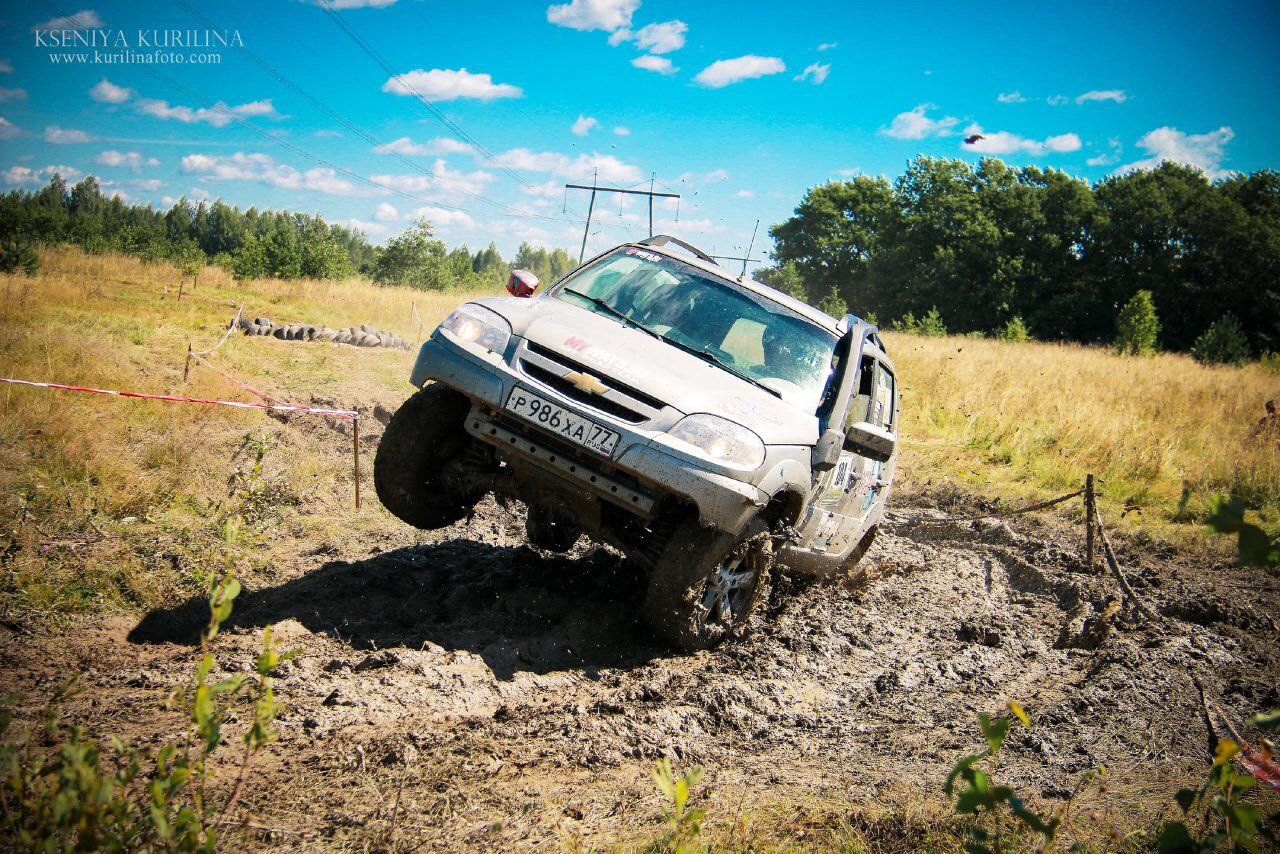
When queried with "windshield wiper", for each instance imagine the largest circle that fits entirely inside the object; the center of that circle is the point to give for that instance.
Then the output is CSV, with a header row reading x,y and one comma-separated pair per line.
x,y
704,355
626,319
707,356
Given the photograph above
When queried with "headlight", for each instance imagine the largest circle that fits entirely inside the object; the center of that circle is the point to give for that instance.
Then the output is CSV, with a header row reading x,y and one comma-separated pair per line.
x,y
478,325
720,440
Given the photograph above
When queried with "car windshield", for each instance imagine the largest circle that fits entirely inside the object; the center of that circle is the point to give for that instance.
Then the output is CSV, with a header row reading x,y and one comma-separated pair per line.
x,y
747,334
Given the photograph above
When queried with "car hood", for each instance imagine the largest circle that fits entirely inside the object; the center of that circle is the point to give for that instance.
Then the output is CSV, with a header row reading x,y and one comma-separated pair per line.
x,y
679,379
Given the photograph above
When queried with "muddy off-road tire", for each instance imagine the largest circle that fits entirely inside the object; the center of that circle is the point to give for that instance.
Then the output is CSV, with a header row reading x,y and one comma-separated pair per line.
x,y
549,533
424,435
706,584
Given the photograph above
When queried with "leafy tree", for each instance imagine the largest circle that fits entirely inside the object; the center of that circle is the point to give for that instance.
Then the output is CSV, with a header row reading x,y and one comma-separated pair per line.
x,y
19,257
1223,343
1137,326
833,305
785,277
413,258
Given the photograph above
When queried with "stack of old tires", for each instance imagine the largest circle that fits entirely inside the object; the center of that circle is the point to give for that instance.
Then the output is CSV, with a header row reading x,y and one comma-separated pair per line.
x,y
362,336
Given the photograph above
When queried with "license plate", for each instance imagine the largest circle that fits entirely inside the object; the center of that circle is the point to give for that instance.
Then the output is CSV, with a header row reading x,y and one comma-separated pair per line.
x,y
562,422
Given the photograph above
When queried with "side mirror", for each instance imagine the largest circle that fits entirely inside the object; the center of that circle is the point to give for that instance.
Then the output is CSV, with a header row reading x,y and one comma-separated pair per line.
x,y
870,441
522,283
827,452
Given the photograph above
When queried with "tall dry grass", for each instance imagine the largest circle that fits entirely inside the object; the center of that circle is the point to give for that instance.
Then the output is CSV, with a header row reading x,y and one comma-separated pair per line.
x,y
108,502
1032,418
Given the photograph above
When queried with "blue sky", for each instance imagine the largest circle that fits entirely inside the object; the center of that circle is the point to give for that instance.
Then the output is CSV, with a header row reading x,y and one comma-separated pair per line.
x,y
740,107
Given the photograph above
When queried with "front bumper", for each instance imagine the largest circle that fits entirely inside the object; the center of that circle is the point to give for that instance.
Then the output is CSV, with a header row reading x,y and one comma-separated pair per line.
x,y
637,474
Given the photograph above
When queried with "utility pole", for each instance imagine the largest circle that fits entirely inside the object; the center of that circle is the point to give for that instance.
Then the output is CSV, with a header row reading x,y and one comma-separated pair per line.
x,y
596,188
746,258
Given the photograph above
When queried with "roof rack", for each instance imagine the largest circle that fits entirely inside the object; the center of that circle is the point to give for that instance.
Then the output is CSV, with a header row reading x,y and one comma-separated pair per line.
x,y
664,239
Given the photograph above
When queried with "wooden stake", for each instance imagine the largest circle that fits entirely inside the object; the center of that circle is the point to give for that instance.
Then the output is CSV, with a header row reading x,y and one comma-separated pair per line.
x,y
1118,573
355,448
186,368
1089,499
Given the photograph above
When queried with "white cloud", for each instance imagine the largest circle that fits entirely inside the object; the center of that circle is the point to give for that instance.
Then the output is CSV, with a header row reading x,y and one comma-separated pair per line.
x,y
724,72
1117,95
7,95
827,46
106,92
432,147
1055,100
86,19
744,194
915,124
445,84
443,217
583,125
617,37
62,136
150,184
357,4
1014,97
662,38
219,115
129,159
1004,142
576,168
6,67
622,131
443,181
660,64
815,73
386,213
8,130
1109,157
849,172
608,15
25,175
261,167
324,132
711,177
369,229
1203,151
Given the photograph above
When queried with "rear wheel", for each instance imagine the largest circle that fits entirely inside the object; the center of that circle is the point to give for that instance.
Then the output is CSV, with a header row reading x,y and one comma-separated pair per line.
x,y
548,531
425,434
706,584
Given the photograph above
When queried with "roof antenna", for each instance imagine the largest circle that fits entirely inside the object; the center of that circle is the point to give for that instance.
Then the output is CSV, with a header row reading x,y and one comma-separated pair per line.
x,y
750,246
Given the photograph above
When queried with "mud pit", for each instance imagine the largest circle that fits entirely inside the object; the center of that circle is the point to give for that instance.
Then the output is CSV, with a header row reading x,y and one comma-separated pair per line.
x,y
475,693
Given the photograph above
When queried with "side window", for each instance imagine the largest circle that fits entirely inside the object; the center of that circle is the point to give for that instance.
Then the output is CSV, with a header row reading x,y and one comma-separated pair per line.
x,y
873,401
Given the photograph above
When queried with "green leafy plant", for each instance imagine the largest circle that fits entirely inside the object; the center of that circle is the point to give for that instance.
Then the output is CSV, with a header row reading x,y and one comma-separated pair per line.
x,y
1015,330
684,825
981,795
1227,819
931,324
1256,547
1270,362
1137,326
81,797
1223,343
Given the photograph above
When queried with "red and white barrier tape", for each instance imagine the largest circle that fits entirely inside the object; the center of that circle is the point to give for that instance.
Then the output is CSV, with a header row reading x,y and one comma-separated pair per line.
x,y
262,394
349,414
235,321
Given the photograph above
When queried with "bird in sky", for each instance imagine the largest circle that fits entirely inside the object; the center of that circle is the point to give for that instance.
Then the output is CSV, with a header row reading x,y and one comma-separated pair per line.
x,y
970,140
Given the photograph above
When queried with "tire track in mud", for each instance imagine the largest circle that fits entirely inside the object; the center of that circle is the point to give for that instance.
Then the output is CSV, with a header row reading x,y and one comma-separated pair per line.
x,y
517,668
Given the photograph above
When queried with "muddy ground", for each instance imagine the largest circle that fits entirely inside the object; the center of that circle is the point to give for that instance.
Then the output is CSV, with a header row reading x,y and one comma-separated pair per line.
x,y
469,692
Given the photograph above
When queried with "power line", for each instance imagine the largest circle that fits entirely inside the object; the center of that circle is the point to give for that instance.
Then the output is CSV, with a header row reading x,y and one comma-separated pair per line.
x,y
449,123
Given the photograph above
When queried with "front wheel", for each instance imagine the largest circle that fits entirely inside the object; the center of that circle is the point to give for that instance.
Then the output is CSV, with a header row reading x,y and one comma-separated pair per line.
x,y
424,436
706,584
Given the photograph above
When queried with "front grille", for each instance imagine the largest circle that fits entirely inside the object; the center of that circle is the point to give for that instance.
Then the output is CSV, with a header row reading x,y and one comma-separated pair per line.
x,y
568,389
629,391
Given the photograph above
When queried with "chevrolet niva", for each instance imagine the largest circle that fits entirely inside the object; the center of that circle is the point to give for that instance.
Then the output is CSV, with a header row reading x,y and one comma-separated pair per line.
x,y
709,426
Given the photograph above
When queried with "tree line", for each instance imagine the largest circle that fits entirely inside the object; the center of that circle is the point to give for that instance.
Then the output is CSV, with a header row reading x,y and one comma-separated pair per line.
x,y
992,249
251,243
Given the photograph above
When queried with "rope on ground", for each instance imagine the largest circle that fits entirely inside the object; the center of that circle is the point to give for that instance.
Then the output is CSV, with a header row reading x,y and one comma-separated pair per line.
x,y
1114,565
998,513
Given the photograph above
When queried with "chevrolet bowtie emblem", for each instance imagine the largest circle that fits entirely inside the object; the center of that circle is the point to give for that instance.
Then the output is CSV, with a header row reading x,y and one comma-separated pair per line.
x,y
586,382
